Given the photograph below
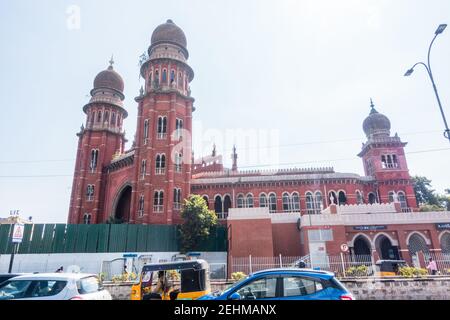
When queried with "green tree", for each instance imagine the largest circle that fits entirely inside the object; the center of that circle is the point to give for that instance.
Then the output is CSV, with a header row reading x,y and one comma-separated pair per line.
x,y
198,221
424,193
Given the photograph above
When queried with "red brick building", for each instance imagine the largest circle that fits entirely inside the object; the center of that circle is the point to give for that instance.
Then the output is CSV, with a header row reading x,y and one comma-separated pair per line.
x,y
147,183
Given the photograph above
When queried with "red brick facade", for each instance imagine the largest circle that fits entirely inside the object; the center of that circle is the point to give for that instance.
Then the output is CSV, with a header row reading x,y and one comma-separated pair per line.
x,y
147,183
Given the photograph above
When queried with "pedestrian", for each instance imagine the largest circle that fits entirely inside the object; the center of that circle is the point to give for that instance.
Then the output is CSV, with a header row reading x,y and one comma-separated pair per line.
x,y
432,266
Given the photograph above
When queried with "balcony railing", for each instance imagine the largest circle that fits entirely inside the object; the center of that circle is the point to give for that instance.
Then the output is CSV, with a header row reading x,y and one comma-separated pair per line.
x,y
157,208
160,170
161,136
177,206
178,167
222,215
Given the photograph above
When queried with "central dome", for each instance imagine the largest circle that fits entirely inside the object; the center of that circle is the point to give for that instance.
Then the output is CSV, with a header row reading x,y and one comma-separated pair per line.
x,y
169,32
109,79
376,124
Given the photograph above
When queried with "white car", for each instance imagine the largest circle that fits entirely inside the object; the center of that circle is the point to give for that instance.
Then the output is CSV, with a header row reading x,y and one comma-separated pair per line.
x,y
54,286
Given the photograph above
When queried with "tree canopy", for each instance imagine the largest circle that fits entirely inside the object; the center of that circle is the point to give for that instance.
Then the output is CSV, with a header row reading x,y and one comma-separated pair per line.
x,y
427,198
198,222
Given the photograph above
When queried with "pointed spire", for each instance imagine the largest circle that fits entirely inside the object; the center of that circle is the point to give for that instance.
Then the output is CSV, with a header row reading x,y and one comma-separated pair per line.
x,y
141,91
234,157
372,106
214,152
111,62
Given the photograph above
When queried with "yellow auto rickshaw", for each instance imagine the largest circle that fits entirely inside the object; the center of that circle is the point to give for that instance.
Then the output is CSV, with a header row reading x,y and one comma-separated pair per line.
x,y
180,280
389,268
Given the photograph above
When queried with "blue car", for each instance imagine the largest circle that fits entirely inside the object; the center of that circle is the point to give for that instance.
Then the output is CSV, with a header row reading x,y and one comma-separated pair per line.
x,y
285,284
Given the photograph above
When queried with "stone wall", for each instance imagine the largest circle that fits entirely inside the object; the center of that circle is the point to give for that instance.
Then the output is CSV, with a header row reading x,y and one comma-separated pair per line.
x,y
437,288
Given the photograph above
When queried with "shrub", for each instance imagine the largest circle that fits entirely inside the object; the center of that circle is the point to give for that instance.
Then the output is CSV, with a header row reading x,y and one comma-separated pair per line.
x,y
358,271
124,277
410,272
238,276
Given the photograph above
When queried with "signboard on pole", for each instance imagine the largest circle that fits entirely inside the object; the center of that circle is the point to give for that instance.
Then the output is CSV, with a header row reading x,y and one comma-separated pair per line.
x,y
344,247
18,233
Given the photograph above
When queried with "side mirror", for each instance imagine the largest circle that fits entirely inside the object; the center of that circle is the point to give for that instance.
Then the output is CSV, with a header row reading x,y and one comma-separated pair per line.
x,y
234,296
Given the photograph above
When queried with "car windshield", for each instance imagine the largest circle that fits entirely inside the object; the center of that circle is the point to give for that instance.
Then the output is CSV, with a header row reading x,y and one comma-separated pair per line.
x,y
14,289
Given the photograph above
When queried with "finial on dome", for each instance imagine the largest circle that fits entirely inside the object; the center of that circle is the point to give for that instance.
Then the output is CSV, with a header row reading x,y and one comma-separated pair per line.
x,y
372,106
170,21
111,62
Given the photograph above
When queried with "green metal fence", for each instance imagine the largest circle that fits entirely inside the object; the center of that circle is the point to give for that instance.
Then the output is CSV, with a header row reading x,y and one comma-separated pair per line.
x,y
71,238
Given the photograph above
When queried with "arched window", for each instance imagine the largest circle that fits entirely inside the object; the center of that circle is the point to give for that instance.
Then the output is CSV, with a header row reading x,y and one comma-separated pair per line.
x,y
177,198
94,160
141,206
146,123
164,76
309,203
180,80
150,77
295,202
178,128
226,204
162,127
372,198
240,201
318,204
90,190
206,200
143,168
113,118
332,198
402,200
263,200
106,118
99,116
93,117
87,218
342,198
359,197
156,80
178,162
172,76
160,164
383,162
286,202
391,196
249,201
272,202
218,205
158,201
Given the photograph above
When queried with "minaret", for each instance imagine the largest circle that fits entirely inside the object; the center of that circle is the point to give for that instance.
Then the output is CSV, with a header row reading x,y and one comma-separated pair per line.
x,y
98,140
164,125
384,159
234,157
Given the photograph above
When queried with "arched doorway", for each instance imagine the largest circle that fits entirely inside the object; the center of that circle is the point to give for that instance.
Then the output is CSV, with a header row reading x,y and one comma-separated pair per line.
x,y
416,244
445,243
385,248
361,246
122,210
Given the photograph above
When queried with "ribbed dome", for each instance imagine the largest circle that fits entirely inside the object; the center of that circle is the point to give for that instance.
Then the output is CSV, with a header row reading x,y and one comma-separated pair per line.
x,y
376,124
169,32
109,79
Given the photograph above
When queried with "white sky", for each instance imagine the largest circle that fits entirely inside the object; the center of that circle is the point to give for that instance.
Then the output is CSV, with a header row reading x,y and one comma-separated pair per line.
x,y
287,73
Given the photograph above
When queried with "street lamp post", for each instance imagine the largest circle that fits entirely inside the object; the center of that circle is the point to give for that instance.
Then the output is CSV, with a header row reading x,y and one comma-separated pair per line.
x,y
427,66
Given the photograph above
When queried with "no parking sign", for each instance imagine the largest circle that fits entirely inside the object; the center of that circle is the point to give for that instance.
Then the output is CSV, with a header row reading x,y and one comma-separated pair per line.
x,y
18,233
